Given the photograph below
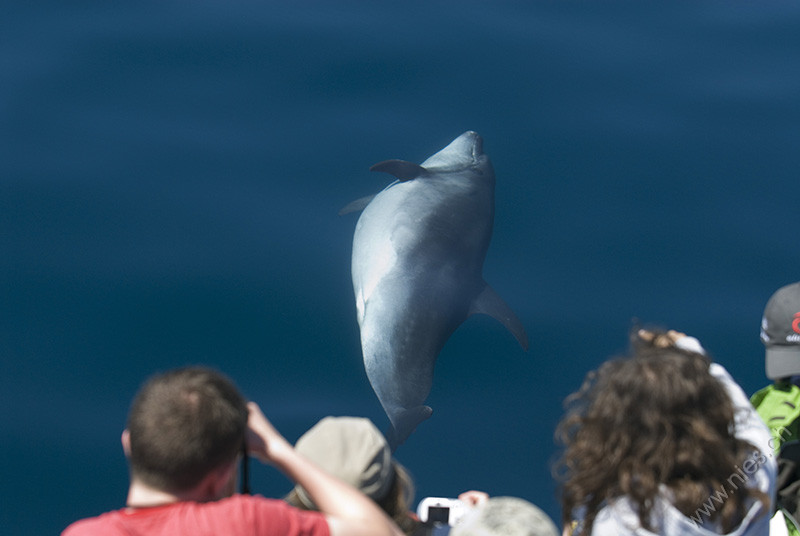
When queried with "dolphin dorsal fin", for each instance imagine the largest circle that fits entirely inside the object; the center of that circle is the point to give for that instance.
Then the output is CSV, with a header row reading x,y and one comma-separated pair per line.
x,y
358,204
403,170
490,303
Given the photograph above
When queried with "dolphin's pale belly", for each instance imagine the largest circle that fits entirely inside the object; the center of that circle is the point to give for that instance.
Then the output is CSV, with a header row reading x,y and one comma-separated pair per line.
x,y
412,227
406,322
413,287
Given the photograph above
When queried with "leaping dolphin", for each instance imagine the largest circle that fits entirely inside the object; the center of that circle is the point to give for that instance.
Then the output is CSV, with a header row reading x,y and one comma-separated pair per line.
x,y
418,252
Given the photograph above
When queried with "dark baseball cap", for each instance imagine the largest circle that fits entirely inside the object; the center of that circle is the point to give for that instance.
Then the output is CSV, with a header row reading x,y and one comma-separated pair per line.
x,y
780,332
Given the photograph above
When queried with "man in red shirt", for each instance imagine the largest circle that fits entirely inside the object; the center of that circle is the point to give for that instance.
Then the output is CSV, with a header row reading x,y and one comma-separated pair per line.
x,y
186,430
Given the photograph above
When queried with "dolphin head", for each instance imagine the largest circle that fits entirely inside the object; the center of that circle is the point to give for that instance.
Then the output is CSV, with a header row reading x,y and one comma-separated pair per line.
x,y
464,152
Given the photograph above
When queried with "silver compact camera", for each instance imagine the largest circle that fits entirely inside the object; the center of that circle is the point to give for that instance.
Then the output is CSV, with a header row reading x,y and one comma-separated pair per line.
x,y
440,511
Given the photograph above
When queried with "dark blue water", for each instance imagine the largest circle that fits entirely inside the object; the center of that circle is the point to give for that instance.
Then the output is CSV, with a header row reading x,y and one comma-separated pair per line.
x,y
170,174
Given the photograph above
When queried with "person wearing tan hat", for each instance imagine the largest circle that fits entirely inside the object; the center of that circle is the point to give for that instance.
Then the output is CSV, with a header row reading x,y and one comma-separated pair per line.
x,y
355,451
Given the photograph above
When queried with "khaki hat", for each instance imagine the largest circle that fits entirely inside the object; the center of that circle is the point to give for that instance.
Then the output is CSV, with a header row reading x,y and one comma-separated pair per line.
x,y
505,516
353,450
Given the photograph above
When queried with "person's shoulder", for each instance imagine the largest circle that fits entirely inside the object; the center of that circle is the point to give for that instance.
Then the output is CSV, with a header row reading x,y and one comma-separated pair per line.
x,y
250,508
618,516
248,501
777,398
91,526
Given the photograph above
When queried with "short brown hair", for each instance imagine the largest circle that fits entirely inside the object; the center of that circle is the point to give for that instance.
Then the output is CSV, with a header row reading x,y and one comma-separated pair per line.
x,y
183,424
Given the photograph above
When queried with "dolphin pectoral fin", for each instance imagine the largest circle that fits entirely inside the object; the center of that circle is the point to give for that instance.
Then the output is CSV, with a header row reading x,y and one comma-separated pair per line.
x,y
355,206
490,303
405,171
407,422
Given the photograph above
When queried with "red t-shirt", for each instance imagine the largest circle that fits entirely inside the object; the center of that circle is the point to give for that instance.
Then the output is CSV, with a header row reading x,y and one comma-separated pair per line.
x,y
240,515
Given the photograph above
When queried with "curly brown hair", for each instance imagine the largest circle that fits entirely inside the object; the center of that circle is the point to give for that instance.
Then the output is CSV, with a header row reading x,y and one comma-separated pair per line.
x,y
657,417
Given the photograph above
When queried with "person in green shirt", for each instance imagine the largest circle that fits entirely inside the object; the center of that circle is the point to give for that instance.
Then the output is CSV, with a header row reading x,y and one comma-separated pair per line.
x,y
779,403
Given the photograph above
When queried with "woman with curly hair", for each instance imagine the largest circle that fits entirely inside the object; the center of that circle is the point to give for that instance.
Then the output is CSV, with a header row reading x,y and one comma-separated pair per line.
x,y
664,442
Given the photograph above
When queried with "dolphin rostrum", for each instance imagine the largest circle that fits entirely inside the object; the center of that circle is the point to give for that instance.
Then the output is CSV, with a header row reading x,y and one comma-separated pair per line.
x,y
418,252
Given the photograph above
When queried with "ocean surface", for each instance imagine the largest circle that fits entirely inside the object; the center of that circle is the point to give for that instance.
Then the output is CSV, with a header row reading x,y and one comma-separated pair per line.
x,y
171,173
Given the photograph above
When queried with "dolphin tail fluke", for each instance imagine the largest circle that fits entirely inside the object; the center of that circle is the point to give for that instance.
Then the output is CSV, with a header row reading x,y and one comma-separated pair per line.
x,y
406,423
490,303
